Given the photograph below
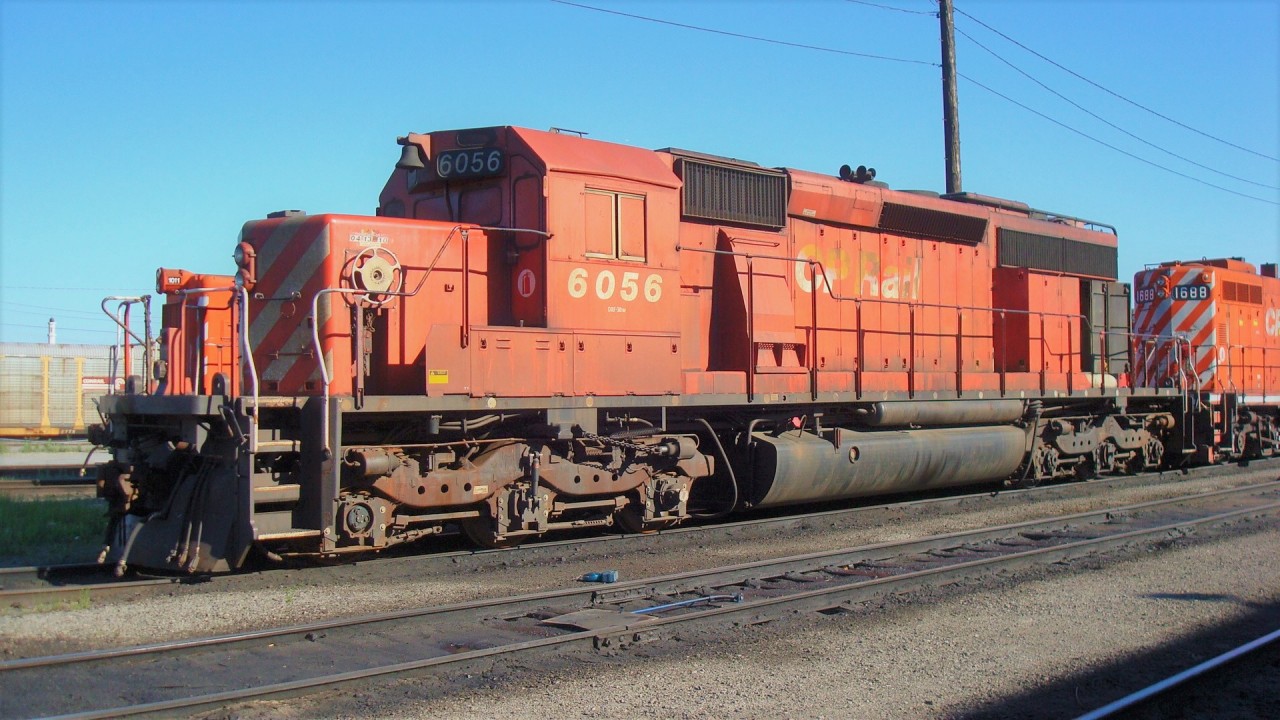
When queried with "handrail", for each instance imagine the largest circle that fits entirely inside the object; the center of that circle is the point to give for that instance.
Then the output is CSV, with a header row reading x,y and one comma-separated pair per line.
x,y
314,318
246,348
466,266
818,270
1141,354
888,301
182,327
122,319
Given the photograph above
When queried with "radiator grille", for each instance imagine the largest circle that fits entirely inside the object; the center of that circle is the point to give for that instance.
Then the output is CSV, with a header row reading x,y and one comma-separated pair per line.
x,y
1045,252
733,194
1241,292
929,223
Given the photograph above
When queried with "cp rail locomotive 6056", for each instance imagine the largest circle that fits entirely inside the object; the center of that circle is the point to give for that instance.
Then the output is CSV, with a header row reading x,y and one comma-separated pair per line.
x,y
539,331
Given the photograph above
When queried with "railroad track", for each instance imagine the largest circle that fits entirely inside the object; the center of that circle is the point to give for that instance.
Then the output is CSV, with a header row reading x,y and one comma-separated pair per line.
x,y
77,473
49,480
27,489
52,585
188,675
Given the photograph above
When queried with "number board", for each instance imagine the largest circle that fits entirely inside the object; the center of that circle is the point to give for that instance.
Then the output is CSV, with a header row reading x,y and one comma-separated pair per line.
x,y
1190,292
470,163
1181,293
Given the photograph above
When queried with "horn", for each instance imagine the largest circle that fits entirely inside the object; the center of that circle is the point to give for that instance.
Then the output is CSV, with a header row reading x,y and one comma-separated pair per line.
x,y
410,156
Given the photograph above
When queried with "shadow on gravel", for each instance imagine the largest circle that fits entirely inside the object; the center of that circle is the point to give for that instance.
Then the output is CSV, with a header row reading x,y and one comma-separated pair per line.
x,y
1250,689
1206,597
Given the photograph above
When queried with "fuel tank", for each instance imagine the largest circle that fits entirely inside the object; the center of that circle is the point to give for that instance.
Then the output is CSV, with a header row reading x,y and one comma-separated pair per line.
x,y
798,467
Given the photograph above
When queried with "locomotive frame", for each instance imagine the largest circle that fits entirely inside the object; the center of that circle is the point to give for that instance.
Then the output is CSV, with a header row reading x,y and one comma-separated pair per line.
x,y
539,332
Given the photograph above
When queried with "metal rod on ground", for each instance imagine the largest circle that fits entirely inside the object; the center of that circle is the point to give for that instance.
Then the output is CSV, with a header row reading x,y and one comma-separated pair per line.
x,y
1171,682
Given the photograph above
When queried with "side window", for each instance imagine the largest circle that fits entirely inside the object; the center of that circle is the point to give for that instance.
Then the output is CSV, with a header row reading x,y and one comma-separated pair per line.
x,y
599,223
631,235
614,225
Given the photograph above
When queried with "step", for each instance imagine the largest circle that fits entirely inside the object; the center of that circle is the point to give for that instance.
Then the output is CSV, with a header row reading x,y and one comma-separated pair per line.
x,y
278,446
273,524
288,492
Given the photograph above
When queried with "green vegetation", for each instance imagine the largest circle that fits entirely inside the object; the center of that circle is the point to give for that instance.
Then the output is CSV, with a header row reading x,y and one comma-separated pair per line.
x,y
17,447
81,601
48,531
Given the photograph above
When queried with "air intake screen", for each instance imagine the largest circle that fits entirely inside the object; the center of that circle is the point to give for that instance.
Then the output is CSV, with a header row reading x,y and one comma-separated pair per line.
x,y
1242,293
932,223
732,194
1045,252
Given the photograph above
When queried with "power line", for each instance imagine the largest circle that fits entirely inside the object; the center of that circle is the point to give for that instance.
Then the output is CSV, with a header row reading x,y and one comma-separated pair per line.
x,y
1098,117
890,7
60,328
1114,93
1113,147
53,310
747,37
921,62
54,314
46,287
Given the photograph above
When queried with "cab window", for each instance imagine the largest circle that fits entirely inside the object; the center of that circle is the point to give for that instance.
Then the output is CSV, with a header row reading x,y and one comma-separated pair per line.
x,y
615,225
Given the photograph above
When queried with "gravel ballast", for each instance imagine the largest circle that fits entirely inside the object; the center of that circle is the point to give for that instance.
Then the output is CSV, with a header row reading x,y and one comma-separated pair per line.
x,y
296,596
976,651
1054,643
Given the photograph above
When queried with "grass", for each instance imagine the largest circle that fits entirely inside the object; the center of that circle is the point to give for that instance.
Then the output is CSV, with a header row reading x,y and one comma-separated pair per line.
x,y
48,531
17,447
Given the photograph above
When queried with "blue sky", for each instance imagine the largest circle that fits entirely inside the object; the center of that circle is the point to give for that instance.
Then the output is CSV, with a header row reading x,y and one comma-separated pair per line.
x,y
143,134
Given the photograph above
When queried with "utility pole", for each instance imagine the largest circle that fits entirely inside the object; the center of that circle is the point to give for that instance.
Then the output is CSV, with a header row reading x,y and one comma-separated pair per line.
x,y
950,103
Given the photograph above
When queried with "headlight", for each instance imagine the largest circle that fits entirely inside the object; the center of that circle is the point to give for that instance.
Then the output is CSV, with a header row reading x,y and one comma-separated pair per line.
x,y
242,254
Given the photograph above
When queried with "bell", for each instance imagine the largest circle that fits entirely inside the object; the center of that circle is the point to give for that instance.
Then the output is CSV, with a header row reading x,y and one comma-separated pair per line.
x,y
410,156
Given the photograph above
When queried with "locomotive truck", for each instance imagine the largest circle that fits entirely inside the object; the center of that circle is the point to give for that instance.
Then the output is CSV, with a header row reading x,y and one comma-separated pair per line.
x,y
538,331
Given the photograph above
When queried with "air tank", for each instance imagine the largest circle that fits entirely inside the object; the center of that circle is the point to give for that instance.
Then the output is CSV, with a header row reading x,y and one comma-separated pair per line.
x,y
942,412
797,466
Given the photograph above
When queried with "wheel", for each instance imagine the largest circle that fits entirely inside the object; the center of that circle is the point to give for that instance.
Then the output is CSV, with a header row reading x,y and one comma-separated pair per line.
x,y
1155,452
1044,465
480,532
630,519
1104,457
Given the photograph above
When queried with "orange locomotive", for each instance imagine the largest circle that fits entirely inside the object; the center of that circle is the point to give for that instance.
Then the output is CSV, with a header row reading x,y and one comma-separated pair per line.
x,y
538,331
1213,327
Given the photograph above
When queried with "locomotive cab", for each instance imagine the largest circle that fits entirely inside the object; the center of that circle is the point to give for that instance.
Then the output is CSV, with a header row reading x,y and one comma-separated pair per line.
x,y
582,257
